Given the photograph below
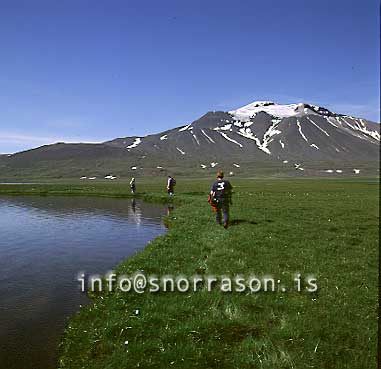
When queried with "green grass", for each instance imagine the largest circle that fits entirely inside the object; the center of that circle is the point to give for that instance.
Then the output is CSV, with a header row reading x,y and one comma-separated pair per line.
x,y
327,228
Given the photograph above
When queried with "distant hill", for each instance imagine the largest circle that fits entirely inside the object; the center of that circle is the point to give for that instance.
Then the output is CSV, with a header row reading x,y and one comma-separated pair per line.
x,y
262,138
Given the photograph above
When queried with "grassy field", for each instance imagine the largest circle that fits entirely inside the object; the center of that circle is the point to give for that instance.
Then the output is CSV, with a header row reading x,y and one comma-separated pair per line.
x,y
324,228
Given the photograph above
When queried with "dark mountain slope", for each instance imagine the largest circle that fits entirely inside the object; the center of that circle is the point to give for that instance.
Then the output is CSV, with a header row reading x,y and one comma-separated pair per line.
x,y
262,137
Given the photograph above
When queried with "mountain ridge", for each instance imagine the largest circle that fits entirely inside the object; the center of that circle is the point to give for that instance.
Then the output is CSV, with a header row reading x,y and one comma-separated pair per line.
x,y
277,139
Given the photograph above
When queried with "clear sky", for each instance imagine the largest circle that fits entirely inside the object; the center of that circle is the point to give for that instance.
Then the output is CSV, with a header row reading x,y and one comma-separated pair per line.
x,y
88,71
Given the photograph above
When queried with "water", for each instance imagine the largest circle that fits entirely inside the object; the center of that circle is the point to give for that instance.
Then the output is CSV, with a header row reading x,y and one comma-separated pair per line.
x,y
44,243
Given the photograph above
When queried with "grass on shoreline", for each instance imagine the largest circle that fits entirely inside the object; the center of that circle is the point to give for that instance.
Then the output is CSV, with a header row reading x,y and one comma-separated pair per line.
x,y
322,227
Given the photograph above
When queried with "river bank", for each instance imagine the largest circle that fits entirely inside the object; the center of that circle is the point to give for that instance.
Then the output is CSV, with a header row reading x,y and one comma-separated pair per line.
x,y
324,228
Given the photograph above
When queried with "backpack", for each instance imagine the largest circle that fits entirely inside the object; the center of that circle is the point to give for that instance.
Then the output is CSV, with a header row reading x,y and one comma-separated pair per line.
x,y
213,202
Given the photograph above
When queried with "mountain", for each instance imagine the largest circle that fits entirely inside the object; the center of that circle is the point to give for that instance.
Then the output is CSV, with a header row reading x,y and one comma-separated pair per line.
x,y
260,138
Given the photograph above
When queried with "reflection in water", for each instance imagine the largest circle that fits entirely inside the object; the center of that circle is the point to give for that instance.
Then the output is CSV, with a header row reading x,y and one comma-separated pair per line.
x,y
134,212
133,205
169,209
44,243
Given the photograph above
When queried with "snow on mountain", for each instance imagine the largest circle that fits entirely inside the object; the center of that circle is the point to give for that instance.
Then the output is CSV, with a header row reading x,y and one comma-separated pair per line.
x,y
137,141
250,110
276,110
291,137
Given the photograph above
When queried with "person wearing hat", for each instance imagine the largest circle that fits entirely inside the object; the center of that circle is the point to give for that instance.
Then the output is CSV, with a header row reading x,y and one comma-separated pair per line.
x,y
221,191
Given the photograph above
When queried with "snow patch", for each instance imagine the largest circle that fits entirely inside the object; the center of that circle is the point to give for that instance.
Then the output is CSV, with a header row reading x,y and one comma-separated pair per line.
x,y
237,165
321,129
269,107
272,129
209,138
314,146
164,137
281,143
362,128
184,128
285,161
300,130
195,137
247,133
226,127
356,171
339,171
203,166
134,168
180,151
348,124
330,121
137,141
338,120
230,139
213,164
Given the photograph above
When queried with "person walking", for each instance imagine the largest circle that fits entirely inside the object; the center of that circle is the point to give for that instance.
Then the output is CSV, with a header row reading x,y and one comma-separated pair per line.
x,y
171,183
221,192
132,185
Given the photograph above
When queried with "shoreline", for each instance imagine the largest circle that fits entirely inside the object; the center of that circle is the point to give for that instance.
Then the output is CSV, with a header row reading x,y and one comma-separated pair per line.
x,y
278,227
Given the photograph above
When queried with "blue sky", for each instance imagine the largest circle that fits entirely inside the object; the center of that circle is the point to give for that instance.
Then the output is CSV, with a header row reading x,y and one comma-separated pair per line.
x,y
90,71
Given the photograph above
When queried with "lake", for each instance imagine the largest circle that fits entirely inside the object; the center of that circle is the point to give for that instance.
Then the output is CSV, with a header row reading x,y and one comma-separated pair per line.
x,y
44,243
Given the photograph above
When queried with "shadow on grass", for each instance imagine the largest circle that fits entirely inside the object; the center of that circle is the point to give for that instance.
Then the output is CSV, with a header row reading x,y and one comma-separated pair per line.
x,y
242,221
245,221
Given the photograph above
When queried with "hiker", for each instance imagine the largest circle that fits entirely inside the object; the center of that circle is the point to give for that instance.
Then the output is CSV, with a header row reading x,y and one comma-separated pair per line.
x,y
221,192
171,186
132,185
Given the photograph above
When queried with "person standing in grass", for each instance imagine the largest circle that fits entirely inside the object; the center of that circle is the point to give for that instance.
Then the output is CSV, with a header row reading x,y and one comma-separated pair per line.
x,y
171,186
132,185
221,191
